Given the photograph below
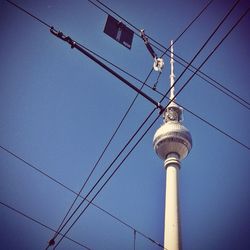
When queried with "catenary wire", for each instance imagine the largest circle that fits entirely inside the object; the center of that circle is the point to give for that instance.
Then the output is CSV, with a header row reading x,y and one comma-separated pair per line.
x,y
147,98
36,19
46,24
112,163
75,193
181,89
202,119
30,14
154,89
167,49
102,154
202,75
186,109
128,109
222,21
40,223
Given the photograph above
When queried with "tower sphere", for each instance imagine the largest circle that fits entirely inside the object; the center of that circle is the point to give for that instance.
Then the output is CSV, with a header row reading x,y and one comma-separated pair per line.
x,y
172,137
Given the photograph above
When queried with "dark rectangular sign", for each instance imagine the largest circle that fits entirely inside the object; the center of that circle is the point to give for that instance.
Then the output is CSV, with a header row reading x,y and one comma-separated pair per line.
x,y
119,32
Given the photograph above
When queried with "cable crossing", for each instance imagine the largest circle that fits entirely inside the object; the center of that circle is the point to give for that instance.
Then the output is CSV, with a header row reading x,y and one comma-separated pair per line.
x,y
38,170
158,105
214,83
145,84
40,223
126,113
149,126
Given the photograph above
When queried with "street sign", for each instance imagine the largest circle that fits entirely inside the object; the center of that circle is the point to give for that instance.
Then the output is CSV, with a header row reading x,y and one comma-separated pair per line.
x,y
119,32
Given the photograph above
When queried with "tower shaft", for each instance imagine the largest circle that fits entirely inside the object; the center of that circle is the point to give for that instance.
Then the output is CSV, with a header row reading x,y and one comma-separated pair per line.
x,y
172,143
171,227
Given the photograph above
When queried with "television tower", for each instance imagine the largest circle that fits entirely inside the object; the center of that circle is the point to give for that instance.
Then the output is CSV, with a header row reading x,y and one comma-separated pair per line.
x,y
172,143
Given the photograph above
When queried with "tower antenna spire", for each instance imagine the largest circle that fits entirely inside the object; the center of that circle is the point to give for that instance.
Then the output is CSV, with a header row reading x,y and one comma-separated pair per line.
x,y
172,76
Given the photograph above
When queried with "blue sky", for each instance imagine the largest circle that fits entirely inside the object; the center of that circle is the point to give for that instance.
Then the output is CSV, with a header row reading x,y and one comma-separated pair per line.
x,y
58,109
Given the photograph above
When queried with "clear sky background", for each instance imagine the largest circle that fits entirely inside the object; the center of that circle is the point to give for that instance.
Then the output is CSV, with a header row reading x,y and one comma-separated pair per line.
x,y
58,109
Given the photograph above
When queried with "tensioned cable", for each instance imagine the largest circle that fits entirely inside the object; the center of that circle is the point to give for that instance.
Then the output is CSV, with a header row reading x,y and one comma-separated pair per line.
x,y
72,42
157,91
30,14
202,119
186,109
47,26
152,88
167,49
75,193
197,116
154,120
147,131
221,87
101,155
126,113
102,176
40,223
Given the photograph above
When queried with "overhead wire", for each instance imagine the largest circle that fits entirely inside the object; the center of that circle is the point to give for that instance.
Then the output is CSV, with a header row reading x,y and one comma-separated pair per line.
x,y
153,87
40,223
160,93
202,75
128,109
91,51
101,155
130,151
108,168
185,108
29,13
106,171
44,23
167,49
74,192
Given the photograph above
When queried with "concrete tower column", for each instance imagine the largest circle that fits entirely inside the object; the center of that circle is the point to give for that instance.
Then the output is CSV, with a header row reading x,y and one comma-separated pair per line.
x,y
171,227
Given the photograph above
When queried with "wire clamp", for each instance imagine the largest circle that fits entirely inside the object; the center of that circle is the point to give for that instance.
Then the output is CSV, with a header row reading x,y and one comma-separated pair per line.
x,y
52,242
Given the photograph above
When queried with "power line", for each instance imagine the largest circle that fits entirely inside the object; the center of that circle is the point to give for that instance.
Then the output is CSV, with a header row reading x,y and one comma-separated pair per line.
x,y
202,75
186,109
52,28
75,193
154,89
101,155
126,156
30,14
40,223
126,113
202,119
109,167
74,45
